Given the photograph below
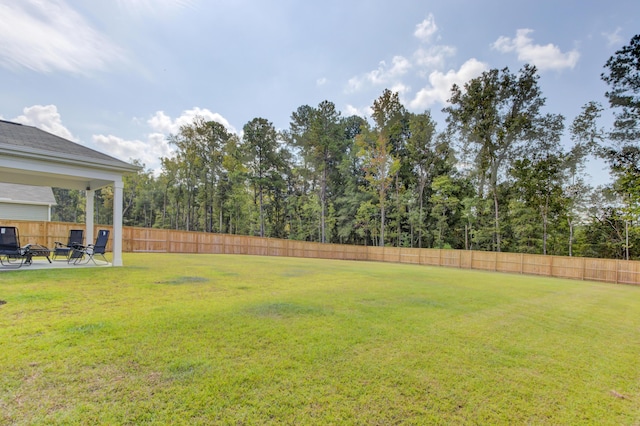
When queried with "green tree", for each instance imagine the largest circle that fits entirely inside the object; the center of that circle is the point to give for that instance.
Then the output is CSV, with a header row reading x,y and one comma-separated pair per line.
x,y
430,155
172,194
543,178
492,116
187,166
604,233
69,206
139,195
392,119
380,167
348,183
625,166
538,185
446,204
103,204
367,222
260,142
318,132
587,138
212,137
233,194
623,77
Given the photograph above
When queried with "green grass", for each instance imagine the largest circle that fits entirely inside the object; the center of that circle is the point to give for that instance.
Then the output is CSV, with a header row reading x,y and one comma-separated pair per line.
x,y
202,339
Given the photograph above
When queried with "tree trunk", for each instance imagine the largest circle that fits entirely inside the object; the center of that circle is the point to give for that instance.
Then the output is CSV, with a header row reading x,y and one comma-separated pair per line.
x,y
398,209
323,194
423,183
626,232
570,237
382,212
261,214
545,220
466,237
497,219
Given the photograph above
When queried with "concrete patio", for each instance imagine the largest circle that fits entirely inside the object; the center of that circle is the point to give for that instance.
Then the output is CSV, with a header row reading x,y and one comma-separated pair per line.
x,y
41,263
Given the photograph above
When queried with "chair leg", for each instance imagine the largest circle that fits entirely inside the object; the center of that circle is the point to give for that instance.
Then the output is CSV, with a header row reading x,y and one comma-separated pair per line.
x,y
12,261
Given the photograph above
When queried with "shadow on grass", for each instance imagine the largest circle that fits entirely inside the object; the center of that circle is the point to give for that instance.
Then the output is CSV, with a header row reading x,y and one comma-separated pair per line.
x,y
284,309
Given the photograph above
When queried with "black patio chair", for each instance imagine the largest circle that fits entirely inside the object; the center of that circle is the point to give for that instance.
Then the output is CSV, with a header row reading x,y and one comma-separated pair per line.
x,y
11,254
76,237
90,251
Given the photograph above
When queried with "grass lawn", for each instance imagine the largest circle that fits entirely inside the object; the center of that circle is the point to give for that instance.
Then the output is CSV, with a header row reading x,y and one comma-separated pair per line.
x,y
222,339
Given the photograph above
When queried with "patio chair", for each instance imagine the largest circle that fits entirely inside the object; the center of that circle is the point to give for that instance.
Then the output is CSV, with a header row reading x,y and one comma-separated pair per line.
x,y
90,251
11,254
76,237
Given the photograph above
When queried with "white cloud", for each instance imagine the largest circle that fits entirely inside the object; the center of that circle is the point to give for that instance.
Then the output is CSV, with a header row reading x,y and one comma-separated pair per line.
x,y
321,81
148,152
543,57
47,118
433,57
439,89
382,75
614,38
164,124
400,88
146,7
350,110
426,29
46,36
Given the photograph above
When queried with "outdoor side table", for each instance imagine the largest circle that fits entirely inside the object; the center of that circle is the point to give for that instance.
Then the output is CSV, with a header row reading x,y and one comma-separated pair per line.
x,y
33,250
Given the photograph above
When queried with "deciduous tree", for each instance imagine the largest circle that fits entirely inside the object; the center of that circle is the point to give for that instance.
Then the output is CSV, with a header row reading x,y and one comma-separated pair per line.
x,y
493,115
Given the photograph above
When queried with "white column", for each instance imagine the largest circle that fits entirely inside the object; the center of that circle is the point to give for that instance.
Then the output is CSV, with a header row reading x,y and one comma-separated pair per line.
x,y
117,223
88,217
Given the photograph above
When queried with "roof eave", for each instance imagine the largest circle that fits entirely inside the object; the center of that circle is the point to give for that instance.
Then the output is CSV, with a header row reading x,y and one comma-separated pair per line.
x,y
50,156
30,203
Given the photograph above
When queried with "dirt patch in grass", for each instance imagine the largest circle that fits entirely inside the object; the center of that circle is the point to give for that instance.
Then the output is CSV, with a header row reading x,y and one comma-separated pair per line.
x,y
86,328
286,309
184,280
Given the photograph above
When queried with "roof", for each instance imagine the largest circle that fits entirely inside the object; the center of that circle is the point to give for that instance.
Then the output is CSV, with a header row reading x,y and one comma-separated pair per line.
x,y
27,141
26,194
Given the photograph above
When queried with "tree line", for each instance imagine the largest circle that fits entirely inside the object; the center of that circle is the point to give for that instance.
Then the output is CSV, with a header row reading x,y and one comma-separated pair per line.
x,y
497,177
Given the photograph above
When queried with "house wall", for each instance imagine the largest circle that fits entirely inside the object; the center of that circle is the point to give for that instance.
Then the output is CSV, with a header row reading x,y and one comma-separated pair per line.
x,y
14,211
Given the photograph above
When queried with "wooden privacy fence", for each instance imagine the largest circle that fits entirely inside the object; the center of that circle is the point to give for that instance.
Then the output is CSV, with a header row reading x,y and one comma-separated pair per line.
x,y
150,240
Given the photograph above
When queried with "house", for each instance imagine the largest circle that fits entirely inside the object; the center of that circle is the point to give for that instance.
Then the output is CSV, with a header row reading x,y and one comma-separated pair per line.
x,y
26,202
30,156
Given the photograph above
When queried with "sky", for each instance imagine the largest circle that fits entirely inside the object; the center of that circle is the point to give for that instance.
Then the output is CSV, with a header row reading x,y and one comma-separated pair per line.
x,y
121,76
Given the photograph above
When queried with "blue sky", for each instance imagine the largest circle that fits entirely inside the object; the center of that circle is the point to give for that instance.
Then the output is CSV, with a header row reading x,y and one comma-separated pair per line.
x,y
120,76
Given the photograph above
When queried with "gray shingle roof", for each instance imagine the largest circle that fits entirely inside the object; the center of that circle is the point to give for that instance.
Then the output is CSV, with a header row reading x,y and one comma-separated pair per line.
x,y
26,194
33,140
